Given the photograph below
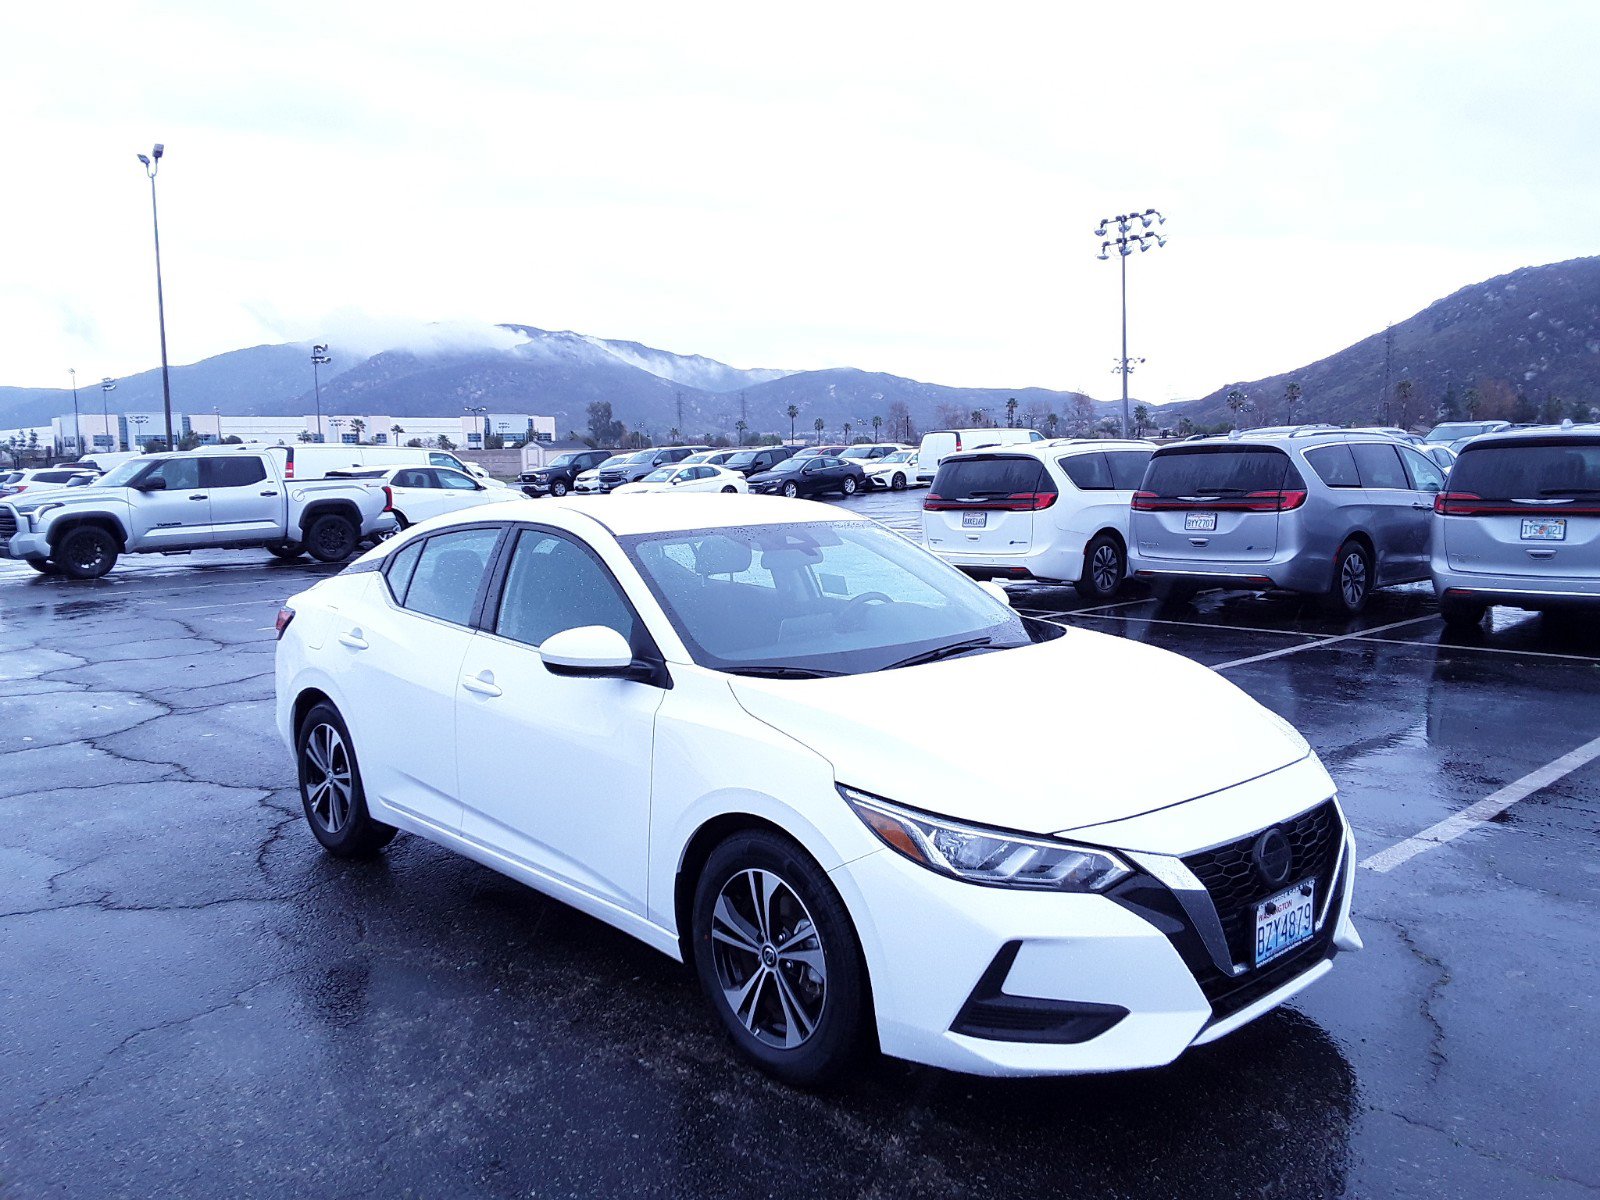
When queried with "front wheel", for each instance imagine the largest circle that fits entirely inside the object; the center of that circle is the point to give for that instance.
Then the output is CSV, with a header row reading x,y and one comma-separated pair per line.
x,y
848,487
331,794
730,488
87,552
1352,580
331,538
1103,569
791,490
778,959
898,483
558,488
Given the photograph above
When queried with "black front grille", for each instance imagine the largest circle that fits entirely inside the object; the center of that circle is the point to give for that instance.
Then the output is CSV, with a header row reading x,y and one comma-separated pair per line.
x,y
8,522
1229,873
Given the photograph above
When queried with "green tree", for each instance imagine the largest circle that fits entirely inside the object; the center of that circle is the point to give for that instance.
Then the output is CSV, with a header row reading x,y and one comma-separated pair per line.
x,y
1552,410
445,443
1404,396
1291,397
847,428
877,425
791,412
1236,403
819,426
673,435
494,442
1185,427
1141,419
978,421
1011,412
1051,421
305,435
605,429
396,430
740,427
1450,406
357,427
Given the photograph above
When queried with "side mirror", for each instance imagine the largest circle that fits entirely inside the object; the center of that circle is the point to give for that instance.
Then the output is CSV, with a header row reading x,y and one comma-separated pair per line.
x,y
158,484
995,590
593,651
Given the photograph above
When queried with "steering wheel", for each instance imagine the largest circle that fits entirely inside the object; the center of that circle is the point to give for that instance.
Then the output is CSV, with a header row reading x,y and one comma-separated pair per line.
x,y
853,612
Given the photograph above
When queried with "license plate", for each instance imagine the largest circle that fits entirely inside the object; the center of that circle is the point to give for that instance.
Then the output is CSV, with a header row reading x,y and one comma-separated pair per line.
x,y
977,520
1200,522
1544,529
1285,921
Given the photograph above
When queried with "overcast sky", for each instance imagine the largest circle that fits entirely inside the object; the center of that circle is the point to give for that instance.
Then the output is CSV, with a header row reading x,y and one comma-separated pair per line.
x,y
909,188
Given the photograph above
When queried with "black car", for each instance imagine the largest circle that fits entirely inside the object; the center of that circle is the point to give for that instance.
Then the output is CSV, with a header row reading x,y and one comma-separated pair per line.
x,y
754,462
555,477
810,477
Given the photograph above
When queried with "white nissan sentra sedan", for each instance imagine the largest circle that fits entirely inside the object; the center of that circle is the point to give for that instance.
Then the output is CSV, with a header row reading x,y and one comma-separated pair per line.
x,y
742,730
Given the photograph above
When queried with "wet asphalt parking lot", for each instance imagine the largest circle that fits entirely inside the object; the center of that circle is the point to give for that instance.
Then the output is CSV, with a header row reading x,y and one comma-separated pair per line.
x,y
195,1001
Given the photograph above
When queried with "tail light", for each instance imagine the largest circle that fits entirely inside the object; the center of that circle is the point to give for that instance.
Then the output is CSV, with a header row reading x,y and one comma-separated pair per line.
x,y
388,499
1015,502
1284,501
1470,504
1145,501
285,615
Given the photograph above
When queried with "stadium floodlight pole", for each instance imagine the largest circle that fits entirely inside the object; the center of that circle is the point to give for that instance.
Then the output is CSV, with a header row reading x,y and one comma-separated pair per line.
x,y
1115,236
107,386
319,358
77,421
152,163
138,420
482,413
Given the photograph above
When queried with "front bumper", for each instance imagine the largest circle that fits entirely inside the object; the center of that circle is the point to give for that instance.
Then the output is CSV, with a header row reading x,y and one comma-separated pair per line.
x,y
1090,983
25,544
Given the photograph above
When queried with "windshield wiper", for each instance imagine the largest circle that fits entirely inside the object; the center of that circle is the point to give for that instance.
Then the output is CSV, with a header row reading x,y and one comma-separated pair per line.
x,y
938,652
783,672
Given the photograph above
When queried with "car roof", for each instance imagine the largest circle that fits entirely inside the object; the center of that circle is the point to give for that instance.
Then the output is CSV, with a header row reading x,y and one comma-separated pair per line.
x,y
1534,433
625,515
1304,437
1054,448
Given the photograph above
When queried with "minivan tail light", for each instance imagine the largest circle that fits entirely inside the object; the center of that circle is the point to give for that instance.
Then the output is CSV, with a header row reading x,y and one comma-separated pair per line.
x,y
1015,502
285,615
1283,501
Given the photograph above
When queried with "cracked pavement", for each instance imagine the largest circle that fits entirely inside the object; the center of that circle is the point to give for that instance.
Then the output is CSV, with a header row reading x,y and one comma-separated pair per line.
x,y
195,1001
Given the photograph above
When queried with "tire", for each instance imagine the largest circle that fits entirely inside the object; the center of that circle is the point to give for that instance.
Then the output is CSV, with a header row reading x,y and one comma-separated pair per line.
x,y
558,488
288,551
1352,580
729,489
331,538
1104,568
791,490
898,483
848,487
797,1026
1461,616
337,814
43,565
1170,593
86,552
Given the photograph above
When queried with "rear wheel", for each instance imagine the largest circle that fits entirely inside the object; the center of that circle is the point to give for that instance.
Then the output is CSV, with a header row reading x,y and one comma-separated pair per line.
x,y
729,488
288,551
778,958
1460,615
43,565
898,483
331,538
1352,580
86,552
330,788
1103,569
848,487
558,488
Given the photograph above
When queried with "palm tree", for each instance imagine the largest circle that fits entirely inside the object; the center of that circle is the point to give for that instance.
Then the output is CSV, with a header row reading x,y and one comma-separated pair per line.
x,y
397,430
791,412
673,433
819,426
1141,418
741,427
1011,412
847,428
357,427
1051,421
977,417
1291,397
1235,403
877,424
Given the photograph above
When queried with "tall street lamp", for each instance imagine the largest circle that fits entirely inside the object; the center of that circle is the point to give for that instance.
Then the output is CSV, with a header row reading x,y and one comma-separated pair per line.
x,y
1115,237
138,420
152,163
482,412
338,424
319,358
77,422
107,386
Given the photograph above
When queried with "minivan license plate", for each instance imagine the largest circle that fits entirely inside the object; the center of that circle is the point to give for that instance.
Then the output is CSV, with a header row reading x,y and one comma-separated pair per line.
x,y
1544,529
1285,921
975,520
1200,522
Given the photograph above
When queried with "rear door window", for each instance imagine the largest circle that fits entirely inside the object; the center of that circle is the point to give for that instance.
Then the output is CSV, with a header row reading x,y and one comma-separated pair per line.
x,y
1335,465
449,572
991,476
402,565
1127,468
231,472
416,477
1529,470
1223,471
1380,467
1088,472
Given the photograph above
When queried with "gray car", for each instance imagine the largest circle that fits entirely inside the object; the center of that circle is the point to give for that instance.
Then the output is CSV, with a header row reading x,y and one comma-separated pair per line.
x,y
1328,513
1520,524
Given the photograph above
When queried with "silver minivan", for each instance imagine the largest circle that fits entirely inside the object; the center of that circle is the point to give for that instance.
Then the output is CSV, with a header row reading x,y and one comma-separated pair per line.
x,y
1520,524
1328,513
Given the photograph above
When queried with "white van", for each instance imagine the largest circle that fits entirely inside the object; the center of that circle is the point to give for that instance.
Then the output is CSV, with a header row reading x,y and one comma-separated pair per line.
x,y
314,461
937,446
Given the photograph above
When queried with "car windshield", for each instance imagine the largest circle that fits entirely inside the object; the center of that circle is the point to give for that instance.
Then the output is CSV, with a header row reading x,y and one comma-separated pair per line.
x,y
743,459
898,456
125,474
1454,431
562,460
858,452
1528,470
823,597
616,460
660,475
639,459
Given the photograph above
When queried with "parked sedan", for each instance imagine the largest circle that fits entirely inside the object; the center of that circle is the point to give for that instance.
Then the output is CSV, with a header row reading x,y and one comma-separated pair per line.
x,y
726,698
588,482
43,479
414,494
687,477
812,476
896,471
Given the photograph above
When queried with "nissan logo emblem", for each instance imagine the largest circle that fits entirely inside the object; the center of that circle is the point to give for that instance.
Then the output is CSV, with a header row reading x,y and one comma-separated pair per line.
x,y
1273,856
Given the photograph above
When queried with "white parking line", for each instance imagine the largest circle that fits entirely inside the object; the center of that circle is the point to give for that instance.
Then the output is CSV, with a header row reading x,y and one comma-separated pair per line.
x,y
227,604
1317,645
1486,809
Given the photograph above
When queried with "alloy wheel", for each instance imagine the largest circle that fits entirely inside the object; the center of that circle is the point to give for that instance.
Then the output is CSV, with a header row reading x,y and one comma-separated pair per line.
x,y
329,779
768,959
1105,570
790,490
1353,579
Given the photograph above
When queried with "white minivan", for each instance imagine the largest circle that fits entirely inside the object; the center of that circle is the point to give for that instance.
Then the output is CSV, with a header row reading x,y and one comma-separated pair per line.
x,y
941,443
315,461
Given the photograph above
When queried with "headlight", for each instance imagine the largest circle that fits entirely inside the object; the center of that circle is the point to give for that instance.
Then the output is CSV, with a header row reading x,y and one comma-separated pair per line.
x,y
989,856
36,514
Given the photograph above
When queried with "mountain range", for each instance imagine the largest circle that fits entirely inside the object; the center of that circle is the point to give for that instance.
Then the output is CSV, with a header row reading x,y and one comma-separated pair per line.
x,y
1510,346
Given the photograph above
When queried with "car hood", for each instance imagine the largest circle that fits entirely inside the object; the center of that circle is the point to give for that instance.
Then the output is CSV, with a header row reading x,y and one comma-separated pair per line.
x,y
1081,730
30,500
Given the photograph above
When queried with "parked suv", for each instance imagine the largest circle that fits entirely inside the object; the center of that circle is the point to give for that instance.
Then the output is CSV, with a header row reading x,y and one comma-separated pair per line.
x,y
1520,524
1053,511
636,466
753,462
558,475
1332,514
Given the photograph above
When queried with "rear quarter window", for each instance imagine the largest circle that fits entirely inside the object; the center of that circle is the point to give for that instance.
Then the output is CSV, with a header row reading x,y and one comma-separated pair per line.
x,y
1088,472
1334,465
1127,468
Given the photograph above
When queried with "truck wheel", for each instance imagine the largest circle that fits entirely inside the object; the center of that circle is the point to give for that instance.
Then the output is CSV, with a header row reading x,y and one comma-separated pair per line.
x,y
43,565
558,488
87,552
331,538
288,551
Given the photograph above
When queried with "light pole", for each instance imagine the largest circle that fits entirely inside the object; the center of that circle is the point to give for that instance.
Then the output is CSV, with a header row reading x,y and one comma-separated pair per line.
x,y
319,358
216,419
107,386
152,163
138,420
483,414
77,422
338,424
1124,243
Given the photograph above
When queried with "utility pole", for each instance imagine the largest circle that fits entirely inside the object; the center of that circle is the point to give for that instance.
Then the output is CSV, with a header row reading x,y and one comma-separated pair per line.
x,y
152,163
1124,243
107,386
77,422
319,358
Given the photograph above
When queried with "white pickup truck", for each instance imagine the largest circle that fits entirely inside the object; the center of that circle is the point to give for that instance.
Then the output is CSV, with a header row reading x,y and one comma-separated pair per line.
x,y
173,503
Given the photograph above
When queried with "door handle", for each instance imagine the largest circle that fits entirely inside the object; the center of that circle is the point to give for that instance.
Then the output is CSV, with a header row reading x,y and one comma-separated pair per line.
x,y
1541,553
267,493
1423,507
198,496
482,684
353,639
